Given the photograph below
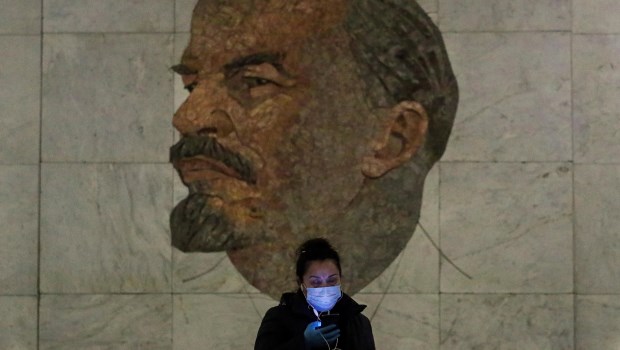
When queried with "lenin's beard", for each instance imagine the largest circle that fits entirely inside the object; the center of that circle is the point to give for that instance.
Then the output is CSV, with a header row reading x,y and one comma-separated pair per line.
x,y
195,224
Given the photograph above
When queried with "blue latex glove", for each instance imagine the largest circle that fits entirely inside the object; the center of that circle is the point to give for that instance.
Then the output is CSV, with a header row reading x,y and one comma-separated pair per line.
x,y
315,337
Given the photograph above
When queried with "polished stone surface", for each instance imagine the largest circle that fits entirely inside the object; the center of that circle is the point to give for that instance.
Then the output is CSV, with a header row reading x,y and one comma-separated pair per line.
x,y
523,80
597,238
509,226
20,17
596,16
180,93
506,322
112,109
108,16
407,321
596,113
20,78
224,322
598,322
18,323
515,95
207,273
19,229
504,15
123,322
416,269
183,14
104,228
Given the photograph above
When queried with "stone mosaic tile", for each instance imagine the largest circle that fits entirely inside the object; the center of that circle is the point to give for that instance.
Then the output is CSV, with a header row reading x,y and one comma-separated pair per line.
x,y
372,302
18,324
20,17
224,322
597,237
515,95
108,16
124,322
416,269
183,15
506,322
107,97
204,272
207,273
596,16
596,114
504,15
508,225
430,6
19,211
407,321
597,322
20,78
104,228
180,93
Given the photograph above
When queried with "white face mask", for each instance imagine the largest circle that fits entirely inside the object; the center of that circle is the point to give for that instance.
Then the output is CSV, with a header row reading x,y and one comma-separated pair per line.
x,y
323,298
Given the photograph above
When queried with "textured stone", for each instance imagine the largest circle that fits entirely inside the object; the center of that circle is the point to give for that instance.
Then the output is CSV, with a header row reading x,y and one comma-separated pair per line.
x,y
308,118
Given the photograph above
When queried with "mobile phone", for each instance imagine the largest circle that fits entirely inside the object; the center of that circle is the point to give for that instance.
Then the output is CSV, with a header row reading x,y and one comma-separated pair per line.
x,y
326,320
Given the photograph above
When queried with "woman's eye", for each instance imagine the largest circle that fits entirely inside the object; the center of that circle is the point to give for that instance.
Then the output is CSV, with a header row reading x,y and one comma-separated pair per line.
x,y
191,87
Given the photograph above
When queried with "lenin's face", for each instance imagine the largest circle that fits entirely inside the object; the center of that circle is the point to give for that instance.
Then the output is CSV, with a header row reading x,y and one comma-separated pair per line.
x,y
279,143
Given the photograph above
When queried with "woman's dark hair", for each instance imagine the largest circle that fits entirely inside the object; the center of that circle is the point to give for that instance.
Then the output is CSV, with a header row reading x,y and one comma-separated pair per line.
x,y
316,249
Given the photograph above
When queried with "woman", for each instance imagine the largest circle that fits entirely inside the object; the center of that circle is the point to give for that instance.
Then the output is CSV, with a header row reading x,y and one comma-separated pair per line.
x,y
318,315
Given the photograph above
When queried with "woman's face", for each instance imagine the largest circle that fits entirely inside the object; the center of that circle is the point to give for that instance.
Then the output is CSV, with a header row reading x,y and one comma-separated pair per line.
x,y
321,273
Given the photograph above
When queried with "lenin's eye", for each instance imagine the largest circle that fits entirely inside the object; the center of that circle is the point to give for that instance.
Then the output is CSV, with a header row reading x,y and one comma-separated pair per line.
x,y
251,82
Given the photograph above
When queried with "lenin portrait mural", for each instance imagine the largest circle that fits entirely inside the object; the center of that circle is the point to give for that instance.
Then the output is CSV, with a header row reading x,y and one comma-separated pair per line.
x,y
308,118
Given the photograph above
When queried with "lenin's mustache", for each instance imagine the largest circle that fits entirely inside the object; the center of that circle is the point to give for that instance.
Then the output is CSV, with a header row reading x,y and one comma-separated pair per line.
x,y
192,146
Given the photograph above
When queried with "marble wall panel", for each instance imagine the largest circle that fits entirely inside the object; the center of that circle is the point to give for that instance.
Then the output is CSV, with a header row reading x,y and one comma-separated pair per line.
x,y
20,78
104,228
407,322
107,97
597,229
416,269
430,6
372,302
183,14
504,15
119,322
508,225
19,209
204,272
596,59
596,16
217,322
597,322
207,273
18,324
20,17
506,322
180,93
108,16
514,97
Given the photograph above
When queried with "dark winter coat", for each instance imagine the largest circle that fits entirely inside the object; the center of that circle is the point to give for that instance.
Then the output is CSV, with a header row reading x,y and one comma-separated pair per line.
x,y
283,325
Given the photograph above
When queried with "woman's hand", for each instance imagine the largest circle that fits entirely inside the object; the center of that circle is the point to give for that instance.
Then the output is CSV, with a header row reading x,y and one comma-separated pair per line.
x,y
316,337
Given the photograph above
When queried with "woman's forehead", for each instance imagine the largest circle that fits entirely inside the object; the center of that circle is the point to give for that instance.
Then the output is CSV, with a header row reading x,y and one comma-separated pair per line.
x,y
322,268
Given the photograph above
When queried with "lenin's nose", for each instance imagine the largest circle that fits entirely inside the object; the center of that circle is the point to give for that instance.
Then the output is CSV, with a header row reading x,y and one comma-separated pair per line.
x,y
218,125
204,112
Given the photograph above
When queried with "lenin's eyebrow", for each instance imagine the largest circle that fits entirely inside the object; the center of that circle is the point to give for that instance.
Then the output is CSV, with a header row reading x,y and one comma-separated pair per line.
x,y
274,59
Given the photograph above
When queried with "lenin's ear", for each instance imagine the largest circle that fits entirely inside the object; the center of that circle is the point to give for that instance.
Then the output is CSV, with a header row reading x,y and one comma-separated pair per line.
x,y
401,138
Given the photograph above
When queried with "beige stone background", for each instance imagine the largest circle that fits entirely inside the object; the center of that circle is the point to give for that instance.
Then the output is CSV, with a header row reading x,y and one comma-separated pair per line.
x,y
526,199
